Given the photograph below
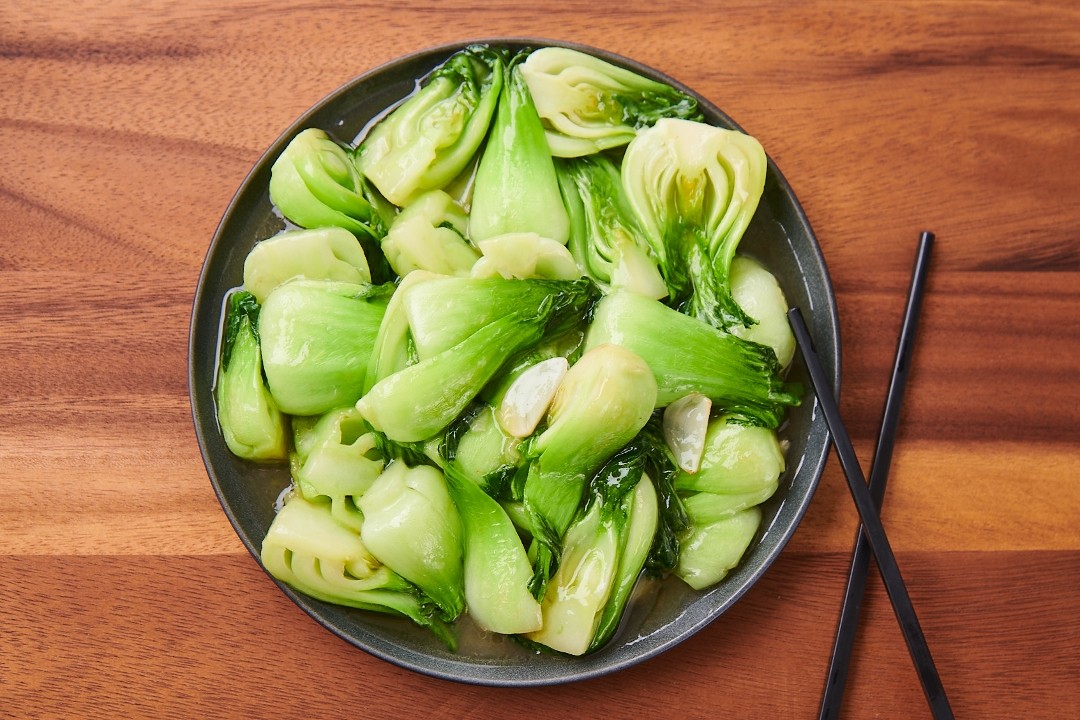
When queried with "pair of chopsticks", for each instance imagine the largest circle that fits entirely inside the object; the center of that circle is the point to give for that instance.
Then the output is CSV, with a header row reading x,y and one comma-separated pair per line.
x,y
871,538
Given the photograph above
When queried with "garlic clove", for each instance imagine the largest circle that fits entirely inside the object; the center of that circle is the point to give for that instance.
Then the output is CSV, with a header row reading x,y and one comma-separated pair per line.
x,y
685,422
529,396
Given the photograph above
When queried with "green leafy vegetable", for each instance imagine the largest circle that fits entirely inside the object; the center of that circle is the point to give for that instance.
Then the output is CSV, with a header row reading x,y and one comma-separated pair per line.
x,y
588,105
605,237
428,234
336,459
317,337
307,549
413,528
738,459
516,190
602,555
708,552
740,469
251,423
606,397
497,568
444,311
687,355
756,291
462,352
424,143
694,188
315,184
329,253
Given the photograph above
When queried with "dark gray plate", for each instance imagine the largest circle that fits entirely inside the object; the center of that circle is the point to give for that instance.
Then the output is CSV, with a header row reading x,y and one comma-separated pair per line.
x,y
665,613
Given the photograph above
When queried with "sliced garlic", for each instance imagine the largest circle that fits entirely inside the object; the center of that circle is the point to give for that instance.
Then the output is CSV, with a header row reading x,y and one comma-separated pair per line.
x,y
685,423
530,395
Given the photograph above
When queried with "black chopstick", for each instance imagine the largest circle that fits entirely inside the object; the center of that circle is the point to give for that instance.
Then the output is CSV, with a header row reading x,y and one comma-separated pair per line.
x,y
872,527
846,628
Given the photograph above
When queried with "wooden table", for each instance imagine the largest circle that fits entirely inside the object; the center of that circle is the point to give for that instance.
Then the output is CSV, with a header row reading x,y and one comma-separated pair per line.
x,y
126,127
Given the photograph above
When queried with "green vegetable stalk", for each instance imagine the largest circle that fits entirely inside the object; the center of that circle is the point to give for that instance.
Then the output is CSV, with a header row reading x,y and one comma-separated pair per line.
x,y
444,311
695,188
516,190
412,527
740,468
315,184
419,401
414,404
588,105
429,234
710,551
497,570
738,460
757,292
477,448
430,138
336,459
317,337
602,555
687,355
251,423
605,238
329,253
307,549
605,398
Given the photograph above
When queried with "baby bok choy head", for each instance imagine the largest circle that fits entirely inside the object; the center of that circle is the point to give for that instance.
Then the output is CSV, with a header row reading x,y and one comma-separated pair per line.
x,y
314,183
516,190
604,400
694,188
689,356
444,311
335,459
251,423
606,239
317,337
497,570
740,469
412,527
467,341
757,292
588,105
329,253
601,557
425,142
429,234
307,549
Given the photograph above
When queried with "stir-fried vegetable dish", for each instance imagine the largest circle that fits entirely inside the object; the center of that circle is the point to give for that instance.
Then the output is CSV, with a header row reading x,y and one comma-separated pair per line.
x,y
510,351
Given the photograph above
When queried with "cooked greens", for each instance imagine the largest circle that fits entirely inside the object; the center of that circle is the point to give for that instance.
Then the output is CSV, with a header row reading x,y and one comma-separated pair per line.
x,y
516,189
606,238
695,187
480,429
424,143
253,426
429,235
690,356
314,183
316,338
326,253
588,105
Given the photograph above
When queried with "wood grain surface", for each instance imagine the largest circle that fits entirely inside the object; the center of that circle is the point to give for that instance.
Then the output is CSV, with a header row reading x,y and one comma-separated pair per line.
x,y
125,129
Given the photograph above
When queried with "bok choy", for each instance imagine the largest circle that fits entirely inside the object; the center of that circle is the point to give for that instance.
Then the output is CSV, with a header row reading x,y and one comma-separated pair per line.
x,y
512,354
